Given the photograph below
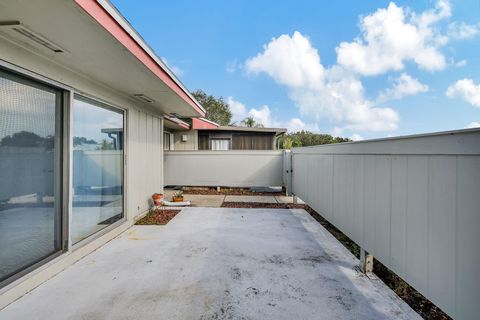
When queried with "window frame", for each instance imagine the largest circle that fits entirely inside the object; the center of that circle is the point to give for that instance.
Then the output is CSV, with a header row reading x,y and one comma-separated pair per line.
x,y
65,122
171,140
62,160
108,106
229,140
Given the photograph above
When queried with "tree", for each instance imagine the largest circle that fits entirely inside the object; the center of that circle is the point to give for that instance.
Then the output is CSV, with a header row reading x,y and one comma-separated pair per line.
x,y
217,109
105,145
287,143
307,138
251,123
82,140
28,139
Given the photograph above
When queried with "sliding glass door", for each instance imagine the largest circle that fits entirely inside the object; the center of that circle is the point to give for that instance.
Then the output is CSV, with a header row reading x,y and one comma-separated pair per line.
x,y
34,182
98,135
30,173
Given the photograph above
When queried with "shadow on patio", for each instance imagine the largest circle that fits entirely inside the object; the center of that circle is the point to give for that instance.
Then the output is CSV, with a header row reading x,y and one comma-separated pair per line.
x,y
210,263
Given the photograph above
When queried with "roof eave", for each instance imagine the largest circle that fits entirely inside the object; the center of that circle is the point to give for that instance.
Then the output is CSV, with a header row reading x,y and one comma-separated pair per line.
x,y
105,13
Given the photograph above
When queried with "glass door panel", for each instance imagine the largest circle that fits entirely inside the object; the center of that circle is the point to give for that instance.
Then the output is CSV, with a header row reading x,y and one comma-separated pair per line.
x,y
97,198
30,173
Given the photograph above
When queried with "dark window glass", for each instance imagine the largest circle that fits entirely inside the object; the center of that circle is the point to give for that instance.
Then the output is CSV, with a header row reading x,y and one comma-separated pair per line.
x,y
30,173
98,138
166,141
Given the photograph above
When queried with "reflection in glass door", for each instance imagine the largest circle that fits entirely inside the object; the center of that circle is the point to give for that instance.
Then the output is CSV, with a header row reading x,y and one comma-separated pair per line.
x,y
98,134
30,173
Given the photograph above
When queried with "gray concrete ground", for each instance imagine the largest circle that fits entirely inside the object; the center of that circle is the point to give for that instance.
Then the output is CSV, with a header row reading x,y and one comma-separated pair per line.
x,y
198,200
288,199
215,201
216,263
261,199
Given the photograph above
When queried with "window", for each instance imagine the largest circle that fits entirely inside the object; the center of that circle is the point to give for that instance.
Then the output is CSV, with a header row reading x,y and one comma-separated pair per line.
x,y
98,159
167,141
203,141
220,144
30,173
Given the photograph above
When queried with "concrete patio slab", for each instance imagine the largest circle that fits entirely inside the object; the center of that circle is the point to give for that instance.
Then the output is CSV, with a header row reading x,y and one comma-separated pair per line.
x,y
262,199
288,199
216,263
198,200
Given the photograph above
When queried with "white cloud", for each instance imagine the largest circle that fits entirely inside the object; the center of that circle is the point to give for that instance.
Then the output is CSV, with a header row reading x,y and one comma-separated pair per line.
x,y
462,30
232,66
262,115
290,61
472,125
295,125
332,93
356,137
392,36
238,109
461,63
465,89
175,69
403,86
337,131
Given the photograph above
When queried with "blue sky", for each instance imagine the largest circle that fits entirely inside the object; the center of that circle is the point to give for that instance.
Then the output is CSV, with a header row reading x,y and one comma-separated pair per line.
x,y
360,69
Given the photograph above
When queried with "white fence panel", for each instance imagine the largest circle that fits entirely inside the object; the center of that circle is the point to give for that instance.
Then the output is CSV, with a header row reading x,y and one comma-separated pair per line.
x,y
242,168
412,202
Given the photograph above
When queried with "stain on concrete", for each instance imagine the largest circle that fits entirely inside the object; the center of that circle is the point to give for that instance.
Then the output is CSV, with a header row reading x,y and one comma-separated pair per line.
x,y
195,251
344,298
215,264
253,292
313,260
235,274
278,260
222,308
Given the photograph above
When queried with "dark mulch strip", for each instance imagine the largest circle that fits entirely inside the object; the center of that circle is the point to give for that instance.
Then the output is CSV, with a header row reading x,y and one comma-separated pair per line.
x,y
424,307
229,192
158,217
262,205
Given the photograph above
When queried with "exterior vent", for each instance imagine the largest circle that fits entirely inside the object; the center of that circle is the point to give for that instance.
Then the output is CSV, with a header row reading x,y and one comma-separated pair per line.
x,y
17,27
143,98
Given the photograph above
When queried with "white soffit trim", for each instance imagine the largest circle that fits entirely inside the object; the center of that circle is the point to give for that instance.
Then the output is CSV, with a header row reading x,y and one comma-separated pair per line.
x,y
131,31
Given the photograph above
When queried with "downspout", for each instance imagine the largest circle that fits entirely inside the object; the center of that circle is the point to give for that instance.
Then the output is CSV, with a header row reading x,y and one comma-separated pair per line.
x,y
114,140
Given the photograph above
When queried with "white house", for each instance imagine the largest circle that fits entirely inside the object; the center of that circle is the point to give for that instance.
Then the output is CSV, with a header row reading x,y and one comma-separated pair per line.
x,y
82,101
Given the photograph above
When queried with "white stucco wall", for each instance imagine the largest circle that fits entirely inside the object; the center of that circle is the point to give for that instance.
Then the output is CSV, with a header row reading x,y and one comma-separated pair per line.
x,y
143,156
190,144
232,168
412,202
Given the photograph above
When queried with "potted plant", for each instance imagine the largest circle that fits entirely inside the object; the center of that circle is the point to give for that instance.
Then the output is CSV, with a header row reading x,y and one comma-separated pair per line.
x,y
157,199
178,196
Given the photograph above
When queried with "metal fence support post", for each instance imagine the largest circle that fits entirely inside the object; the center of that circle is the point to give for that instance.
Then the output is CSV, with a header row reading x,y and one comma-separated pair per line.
x,y
287,171
366,262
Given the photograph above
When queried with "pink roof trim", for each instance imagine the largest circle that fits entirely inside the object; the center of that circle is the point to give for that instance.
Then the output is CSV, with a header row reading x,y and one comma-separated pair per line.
x,y
179,122
203,124
97,12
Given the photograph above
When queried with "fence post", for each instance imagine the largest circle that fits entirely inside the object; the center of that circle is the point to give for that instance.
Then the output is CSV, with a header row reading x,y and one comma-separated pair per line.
x,y
366,262
287,171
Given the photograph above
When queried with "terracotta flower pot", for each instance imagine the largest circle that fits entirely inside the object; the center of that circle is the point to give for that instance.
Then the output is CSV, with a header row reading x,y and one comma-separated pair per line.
x,y
177,199
157,199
